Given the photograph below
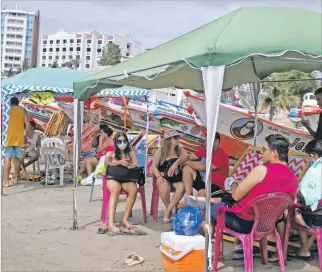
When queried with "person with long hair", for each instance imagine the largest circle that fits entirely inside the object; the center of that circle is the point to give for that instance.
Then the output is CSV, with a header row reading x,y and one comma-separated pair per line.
x,y
121,156
163,158
104,145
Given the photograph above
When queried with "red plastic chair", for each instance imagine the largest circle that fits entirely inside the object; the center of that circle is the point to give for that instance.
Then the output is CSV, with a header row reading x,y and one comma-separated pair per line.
x,y
106,199
317,234
267,209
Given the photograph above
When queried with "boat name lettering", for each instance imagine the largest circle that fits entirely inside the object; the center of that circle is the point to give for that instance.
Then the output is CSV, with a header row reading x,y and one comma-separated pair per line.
x,y
297,144
180,113
279,131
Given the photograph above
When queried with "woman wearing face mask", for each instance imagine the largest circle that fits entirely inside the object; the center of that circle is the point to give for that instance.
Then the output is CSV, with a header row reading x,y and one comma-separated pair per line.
x,y
122,156
104,144
163,159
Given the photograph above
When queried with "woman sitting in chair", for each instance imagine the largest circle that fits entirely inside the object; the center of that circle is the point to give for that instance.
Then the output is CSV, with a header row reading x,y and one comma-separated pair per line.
x,y
122,156
104,144
163,159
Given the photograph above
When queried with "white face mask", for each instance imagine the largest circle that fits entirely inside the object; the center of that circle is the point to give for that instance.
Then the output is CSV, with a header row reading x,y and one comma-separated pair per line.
x,y
122,146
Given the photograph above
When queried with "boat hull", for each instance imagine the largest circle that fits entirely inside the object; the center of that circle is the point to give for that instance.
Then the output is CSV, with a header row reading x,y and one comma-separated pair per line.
x,y
236,127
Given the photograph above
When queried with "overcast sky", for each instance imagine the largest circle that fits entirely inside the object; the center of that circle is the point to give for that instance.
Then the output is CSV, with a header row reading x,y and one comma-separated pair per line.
x,y
150,22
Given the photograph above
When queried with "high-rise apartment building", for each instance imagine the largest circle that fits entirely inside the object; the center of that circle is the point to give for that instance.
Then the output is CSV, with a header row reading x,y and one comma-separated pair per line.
x,y
86,47
19,39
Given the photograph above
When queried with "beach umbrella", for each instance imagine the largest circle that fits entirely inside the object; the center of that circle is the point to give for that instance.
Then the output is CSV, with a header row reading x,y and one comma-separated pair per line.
x,y
243,46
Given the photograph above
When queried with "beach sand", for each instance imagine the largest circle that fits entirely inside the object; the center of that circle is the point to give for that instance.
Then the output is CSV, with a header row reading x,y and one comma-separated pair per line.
x,y
37,235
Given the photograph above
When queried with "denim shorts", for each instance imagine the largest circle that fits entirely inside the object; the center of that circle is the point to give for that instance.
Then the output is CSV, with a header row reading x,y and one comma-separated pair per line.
x,y
12,152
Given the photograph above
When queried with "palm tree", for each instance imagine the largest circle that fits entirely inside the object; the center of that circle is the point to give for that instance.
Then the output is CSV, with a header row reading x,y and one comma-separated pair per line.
x,y
55,64
277,99
25,66
111,55
72,64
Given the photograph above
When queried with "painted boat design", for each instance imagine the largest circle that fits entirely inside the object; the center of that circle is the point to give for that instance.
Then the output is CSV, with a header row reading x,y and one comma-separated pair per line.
x,y
237,127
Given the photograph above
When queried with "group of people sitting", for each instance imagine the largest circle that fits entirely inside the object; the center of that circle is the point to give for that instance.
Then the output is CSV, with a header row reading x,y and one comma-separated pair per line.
x,y
176,170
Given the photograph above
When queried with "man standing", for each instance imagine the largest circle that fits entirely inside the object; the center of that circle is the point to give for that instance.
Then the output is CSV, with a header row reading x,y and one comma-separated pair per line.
x,y
317,135
18,118
193,176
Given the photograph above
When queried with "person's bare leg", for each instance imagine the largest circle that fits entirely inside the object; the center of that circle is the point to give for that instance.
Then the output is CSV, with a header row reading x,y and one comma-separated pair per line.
x,y
201,193
189,176
82,168
90,164
304,238
177,196
6,171
164,191
304,241
22,161
16,164
114,188
33,157
131,189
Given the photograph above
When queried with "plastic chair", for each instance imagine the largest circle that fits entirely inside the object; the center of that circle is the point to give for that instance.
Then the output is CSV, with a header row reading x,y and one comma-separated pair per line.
x,y
267,209
42,136
106,199
54,151
317,233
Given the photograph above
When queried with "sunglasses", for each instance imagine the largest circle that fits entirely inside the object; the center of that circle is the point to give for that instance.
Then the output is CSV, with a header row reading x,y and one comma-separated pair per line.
x,y
176,137
122,141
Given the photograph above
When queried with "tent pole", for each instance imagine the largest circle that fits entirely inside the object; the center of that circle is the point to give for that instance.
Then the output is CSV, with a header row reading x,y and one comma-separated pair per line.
x,y
76,155
125,111
147,135
256,88
213,77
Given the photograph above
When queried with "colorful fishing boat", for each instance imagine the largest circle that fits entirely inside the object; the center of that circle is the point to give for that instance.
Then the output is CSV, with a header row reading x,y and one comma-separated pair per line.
x,y
138,112
237,127
40,114
311,110
113,110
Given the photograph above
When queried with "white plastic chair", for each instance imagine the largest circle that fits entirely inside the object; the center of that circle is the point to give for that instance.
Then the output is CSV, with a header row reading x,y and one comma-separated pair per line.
x,y
42,136
54,151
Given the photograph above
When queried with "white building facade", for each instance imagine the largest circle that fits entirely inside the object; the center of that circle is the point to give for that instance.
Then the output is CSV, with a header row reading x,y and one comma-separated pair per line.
x,y
19,39
86,47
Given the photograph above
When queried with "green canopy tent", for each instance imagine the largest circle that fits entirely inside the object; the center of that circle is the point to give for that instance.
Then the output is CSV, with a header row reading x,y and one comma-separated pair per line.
x,y
243,46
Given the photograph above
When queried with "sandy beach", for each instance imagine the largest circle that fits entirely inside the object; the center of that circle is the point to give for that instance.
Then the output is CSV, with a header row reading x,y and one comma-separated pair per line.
x,y
37,235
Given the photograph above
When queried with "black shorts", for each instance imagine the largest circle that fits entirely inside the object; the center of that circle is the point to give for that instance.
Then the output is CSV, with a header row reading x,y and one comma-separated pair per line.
x,y
235,223
199,184
312,220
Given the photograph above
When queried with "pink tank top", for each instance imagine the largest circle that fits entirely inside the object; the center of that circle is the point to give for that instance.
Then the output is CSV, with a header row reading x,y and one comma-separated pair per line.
x,y
107,149
278,179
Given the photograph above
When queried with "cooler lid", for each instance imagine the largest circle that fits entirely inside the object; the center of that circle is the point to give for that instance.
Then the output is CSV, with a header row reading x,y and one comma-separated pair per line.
x,y
181,242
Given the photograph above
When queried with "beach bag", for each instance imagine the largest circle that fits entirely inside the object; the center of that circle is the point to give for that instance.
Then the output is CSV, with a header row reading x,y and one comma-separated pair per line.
x,y
176,177
124,174
187,221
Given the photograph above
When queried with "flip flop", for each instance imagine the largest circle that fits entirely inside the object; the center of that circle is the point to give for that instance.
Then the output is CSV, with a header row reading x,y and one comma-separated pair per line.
x,y
167,220
136,260
102,231
129,258
296,255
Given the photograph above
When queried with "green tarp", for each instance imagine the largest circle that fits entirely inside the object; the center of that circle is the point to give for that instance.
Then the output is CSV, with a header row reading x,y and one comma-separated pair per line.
x,y
252,42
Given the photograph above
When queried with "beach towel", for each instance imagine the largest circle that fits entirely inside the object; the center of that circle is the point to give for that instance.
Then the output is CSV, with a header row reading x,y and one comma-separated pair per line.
x,y
311,185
